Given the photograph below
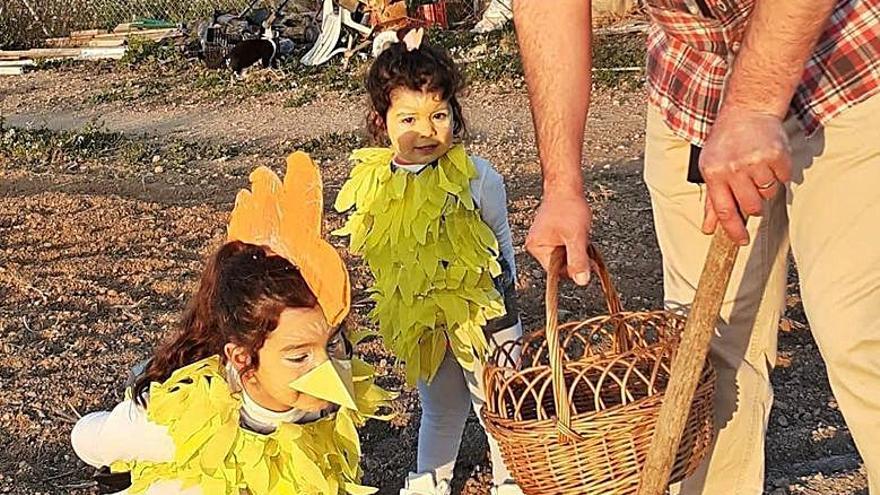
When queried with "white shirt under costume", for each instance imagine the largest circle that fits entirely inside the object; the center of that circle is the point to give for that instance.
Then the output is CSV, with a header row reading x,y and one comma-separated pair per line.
x,y
125,433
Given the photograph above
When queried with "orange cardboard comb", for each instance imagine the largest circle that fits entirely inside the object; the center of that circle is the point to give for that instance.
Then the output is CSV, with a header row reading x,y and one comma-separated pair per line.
x,y
287,218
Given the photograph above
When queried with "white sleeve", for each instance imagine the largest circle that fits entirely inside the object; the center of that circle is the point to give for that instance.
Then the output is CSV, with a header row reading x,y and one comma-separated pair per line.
x,y
123,434
492,200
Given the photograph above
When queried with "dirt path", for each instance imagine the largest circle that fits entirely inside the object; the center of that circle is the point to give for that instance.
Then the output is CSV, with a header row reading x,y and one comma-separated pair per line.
x,y
60,100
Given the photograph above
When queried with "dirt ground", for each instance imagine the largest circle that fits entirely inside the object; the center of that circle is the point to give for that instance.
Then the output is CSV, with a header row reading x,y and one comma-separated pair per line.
x,y
100,247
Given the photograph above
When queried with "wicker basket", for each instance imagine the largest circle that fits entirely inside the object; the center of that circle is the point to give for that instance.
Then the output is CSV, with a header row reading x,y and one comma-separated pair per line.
x,y
615,370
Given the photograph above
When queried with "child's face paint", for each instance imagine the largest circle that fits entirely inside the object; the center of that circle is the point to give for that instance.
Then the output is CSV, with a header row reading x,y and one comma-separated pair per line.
x,y
301,342
419,125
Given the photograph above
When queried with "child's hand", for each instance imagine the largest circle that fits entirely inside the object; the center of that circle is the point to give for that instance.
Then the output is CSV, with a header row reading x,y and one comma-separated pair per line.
x,y
563,219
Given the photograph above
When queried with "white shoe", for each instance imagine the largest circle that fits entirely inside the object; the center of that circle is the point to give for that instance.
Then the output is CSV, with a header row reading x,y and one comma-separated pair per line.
x,y
424,484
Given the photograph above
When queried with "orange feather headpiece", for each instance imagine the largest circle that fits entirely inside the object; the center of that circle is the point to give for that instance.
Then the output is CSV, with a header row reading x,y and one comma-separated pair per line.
x,y
286,217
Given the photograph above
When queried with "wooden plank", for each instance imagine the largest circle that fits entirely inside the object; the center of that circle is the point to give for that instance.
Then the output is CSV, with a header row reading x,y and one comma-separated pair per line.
x,y
17,63
87,32
123,28
68,42
111,39
11,71
86,53
146,33
115,53
39,53
106,43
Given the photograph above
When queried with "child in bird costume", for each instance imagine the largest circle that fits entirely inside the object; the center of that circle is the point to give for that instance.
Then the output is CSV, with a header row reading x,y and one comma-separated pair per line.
x,y
431,223
258,392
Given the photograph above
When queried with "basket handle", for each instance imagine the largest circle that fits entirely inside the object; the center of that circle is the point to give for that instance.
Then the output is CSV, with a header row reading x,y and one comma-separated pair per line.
x,y
597,264
551,302
612,299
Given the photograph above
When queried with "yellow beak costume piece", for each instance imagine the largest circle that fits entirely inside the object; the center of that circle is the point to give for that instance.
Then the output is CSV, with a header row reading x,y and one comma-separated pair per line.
x,y
331,381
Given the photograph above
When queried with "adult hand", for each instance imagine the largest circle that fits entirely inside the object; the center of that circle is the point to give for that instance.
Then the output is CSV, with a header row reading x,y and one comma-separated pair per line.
x,y
563,219
745,161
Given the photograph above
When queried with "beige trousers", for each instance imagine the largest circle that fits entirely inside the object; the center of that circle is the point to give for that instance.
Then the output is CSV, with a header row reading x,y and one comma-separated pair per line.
x,y
830,217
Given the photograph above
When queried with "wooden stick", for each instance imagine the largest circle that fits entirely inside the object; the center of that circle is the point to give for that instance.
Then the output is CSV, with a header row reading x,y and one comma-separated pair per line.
x,y
688,364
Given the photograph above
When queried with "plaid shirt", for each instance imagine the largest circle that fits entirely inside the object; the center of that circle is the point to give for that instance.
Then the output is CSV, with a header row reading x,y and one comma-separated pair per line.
x,y
690,50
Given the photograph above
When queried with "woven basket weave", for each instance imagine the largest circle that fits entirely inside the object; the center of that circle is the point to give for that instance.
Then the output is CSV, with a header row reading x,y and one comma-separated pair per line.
x,y
615,369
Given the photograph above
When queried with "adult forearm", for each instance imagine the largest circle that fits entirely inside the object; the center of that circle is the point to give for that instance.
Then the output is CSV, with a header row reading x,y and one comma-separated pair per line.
x,y
554,40
780,37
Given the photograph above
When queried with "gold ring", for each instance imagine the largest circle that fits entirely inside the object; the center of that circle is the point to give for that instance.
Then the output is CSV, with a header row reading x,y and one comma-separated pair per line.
x,y
766,186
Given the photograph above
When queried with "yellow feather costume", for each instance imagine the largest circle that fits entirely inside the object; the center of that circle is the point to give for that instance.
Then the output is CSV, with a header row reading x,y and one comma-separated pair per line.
x,y
216,453
432,257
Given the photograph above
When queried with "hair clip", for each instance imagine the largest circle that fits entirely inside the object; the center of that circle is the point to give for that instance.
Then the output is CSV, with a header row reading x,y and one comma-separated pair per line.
x,y
413,39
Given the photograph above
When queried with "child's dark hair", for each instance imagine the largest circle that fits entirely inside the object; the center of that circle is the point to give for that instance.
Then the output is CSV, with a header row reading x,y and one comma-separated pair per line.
x,y
426,68
240,297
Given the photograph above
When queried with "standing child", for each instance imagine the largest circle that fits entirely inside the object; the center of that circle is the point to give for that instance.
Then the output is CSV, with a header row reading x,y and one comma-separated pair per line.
x,y
431,223
257,393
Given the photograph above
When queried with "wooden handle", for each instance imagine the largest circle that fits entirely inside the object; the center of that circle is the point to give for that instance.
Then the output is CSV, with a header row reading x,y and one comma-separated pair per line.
x,y
688,364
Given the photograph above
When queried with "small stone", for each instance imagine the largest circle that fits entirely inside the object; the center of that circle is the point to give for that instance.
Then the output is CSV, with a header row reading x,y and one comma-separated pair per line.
x,y
112,293
158,169
156,158
782,420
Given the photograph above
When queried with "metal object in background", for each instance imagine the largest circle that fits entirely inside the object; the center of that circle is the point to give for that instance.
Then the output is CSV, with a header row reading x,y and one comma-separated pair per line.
x,y
21,27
